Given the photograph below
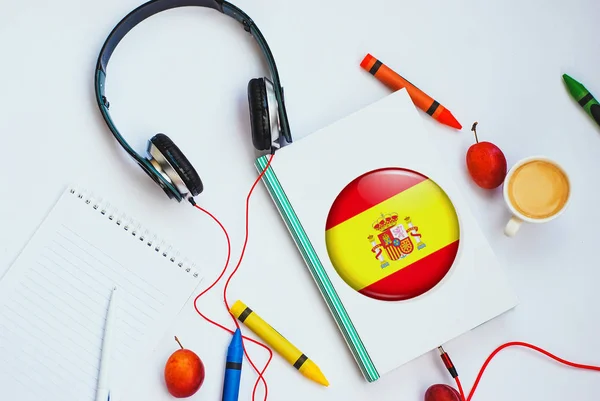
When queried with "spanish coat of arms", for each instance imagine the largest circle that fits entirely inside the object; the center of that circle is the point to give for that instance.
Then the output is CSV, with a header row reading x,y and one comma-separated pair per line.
x,y
394,241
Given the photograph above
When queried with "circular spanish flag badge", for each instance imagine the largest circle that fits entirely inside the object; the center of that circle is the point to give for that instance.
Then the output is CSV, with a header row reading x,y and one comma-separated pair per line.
x,y
392,234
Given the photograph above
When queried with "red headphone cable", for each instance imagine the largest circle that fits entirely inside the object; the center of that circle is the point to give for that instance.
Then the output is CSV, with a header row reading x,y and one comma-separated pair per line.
x,y
235,270
259,372
452,369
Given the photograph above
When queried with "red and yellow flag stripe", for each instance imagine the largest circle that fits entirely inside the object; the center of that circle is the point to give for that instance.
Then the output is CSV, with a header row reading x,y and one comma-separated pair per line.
x,y
350,223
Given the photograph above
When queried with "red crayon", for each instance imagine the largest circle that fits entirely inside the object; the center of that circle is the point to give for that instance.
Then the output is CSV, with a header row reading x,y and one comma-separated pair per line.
x,y
395,82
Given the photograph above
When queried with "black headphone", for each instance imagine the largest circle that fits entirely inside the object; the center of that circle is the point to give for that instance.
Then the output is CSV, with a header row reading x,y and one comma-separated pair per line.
x,y
166,164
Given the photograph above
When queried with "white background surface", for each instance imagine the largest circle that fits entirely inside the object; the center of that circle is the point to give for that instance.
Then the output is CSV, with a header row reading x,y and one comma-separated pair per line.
x,y
185,73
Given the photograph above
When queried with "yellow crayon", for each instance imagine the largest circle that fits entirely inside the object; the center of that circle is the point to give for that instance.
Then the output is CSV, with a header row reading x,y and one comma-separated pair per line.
x,y
278,342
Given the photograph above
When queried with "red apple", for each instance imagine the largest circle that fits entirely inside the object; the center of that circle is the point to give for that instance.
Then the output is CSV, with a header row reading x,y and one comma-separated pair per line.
x,y
184,373
486,163
442,392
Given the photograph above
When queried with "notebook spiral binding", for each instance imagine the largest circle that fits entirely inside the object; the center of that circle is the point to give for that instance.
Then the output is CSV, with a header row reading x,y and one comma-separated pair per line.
x,y
129,225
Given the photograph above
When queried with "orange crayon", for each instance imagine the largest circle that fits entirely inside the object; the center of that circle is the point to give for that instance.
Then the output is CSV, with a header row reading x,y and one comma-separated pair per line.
x,y
395,82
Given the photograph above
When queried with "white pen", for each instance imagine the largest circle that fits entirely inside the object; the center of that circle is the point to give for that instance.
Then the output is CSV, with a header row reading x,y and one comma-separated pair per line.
x,y
103,390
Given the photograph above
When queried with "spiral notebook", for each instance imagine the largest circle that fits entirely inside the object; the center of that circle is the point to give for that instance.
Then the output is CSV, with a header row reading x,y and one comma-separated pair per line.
x,y
54,299
387,235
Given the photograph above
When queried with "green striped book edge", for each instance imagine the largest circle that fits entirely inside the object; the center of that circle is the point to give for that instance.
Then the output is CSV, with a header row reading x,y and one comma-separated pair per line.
x,y
318,271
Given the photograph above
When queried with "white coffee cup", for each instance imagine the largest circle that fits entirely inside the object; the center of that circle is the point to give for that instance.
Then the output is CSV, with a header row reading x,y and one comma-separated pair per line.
x,y
536,190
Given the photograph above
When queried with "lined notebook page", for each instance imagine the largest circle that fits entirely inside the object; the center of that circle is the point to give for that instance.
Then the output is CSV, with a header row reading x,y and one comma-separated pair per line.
x,y
54,300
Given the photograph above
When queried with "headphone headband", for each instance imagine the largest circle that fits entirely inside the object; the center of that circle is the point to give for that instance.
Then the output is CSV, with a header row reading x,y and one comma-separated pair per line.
x,y
151,8
141,13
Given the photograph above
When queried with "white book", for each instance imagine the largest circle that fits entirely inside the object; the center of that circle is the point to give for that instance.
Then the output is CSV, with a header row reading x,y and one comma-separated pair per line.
x,y
386,234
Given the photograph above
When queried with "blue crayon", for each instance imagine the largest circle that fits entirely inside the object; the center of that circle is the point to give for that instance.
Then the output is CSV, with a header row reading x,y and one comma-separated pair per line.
x,y
233,368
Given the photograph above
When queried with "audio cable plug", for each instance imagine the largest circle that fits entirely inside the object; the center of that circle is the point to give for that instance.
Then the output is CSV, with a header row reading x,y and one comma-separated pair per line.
x,y
448,362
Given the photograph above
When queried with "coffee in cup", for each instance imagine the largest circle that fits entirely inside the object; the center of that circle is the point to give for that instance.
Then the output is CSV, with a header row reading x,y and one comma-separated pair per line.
x,y
536,190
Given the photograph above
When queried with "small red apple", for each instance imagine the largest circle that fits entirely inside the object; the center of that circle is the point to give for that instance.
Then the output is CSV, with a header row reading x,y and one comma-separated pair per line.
x,y
442,392
184,373
486,163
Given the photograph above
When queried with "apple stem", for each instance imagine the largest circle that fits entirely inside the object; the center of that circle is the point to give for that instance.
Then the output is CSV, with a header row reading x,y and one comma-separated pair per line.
x,y
474,129
177,339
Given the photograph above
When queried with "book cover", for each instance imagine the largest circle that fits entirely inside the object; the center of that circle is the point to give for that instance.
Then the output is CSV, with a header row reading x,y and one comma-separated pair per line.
x,y
388,238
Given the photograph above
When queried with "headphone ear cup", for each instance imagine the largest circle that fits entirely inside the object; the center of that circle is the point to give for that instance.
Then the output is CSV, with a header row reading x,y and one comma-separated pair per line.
x,y
259,114
179,163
